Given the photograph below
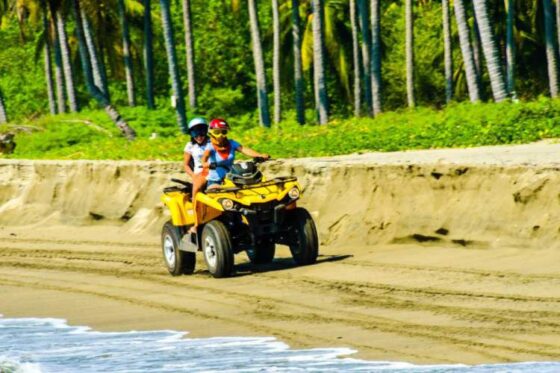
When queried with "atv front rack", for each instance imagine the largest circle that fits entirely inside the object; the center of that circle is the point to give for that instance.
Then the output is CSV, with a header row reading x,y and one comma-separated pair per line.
x,y
276,180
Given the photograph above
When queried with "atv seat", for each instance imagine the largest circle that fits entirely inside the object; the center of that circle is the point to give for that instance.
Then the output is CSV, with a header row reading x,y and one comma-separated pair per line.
x,y
186,187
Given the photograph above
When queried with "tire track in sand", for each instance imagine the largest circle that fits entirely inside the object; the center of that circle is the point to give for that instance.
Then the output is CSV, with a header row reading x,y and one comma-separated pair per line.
x,y
345,294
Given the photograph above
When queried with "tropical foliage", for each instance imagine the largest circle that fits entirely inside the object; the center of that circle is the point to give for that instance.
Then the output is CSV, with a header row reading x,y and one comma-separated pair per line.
x,y
91,135
337,57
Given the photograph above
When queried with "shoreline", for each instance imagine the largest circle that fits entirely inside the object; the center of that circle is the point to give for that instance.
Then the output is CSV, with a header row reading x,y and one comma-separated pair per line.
x,y
423,304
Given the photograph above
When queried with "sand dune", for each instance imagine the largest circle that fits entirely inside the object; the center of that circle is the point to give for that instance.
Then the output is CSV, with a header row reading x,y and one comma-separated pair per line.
x,y
431,256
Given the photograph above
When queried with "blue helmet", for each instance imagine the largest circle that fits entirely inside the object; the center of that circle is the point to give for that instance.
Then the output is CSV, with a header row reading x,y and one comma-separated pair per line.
x,y
198,126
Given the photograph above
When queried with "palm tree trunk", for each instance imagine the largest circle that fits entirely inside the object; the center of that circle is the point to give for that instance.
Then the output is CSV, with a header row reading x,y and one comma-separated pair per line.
x,y
173,66
149,54
189,49
66,62
126,54
447,46
321,99
48,64
96,93
366,54
298,69
99,77
557,21
468,58
490,50
376,56
477,50
410,54
59,78
276,62
551,53
510,48
262,97
356,59
58,70
3,114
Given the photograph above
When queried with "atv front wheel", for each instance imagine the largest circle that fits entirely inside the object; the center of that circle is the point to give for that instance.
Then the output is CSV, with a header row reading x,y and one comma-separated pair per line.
x,y
263,254
177,262
217,249
305,247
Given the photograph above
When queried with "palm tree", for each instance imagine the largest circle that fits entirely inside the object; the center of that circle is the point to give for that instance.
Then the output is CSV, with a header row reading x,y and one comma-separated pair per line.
x,y
410,54
298,70
321,99
276,61
149,54
490,51
468,58
558,20
66,61
96,93
366,53
59,75
376,56
172,64
448,51
189,48
551,52
262,98
58,69
3,115
356,59
98,69
126,53
47,57
510,48
477,50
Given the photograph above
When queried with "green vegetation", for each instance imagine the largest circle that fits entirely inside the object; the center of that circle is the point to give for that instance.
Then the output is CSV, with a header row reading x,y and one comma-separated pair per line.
x,y
91,135
109,70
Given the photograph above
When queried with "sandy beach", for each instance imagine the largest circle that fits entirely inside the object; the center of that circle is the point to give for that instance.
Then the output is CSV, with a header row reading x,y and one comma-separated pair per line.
x,y
418,280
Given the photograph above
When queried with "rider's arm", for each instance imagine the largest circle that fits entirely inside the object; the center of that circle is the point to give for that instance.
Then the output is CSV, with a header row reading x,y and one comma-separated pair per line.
x,y
186,160
251,153
204,159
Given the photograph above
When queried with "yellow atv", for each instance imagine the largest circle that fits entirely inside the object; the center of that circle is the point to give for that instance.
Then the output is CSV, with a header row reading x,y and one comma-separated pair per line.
x,y
247,213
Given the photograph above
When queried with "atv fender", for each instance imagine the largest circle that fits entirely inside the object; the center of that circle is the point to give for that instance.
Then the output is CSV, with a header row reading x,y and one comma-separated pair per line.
x,y
181,214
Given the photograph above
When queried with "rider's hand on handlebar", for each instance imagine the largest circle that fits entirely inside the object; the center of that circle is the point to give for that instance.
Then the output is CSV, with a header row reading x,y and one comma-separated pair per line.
x,y
262,158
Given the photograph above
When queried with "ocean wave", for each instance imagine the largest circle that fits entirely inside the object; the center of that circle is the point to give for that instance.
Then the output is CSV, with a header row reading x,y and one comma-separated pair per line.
x,y
30,345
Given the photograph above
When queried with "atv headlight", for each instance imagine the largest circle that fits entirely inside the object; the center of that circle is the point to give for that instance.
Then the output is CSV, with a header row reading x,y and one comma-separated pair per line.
x,y
294,193
227,204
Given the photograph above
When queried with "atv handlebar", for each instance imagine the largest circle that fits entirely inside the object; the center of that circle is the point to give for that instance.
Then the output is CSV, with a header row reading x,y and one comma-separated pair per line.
x,y
213,165
261,159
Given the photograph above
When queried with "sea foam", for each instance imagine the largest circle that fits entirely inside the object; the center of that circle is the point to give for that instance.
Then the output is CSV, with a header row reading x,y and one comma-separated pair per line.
x,y
30,345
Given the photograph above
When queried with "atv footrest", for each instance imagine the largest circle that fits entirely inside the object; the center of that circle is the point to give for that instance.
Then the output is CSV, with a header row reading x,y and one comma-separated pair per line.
x,y
189,243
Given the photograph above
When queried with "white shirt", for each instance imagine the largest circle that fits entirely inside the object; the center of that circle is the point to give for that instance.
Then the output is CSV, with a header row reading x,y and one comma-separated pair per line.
x,y
196,151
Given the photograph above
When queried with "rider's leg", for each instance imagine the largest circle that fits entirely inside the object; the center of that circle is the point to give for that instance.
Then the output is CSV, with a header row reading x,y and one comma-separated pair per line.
x,y
199,181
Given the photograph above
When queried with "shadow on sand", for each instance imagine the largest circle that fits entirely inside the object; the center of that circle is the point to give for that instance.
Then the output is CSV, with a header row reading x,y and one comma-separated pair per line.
x,y
279,264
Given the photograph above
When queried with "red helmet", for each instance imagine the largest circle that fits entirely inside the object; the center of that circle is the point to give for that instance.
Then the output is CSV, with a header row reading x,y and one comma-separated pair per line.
x,y
219,124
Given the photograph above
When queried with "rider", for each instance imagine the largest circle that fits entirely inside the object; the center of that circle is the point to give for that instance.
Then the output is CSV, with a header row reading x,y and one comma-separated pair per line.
x,y
194,150
221,152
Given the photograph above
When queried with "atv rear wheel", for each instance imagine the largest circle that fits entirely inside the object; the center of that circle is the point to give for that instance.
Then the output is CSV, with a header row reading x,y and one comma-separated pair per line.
x,y
217,249
177,262
263,254
305,249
